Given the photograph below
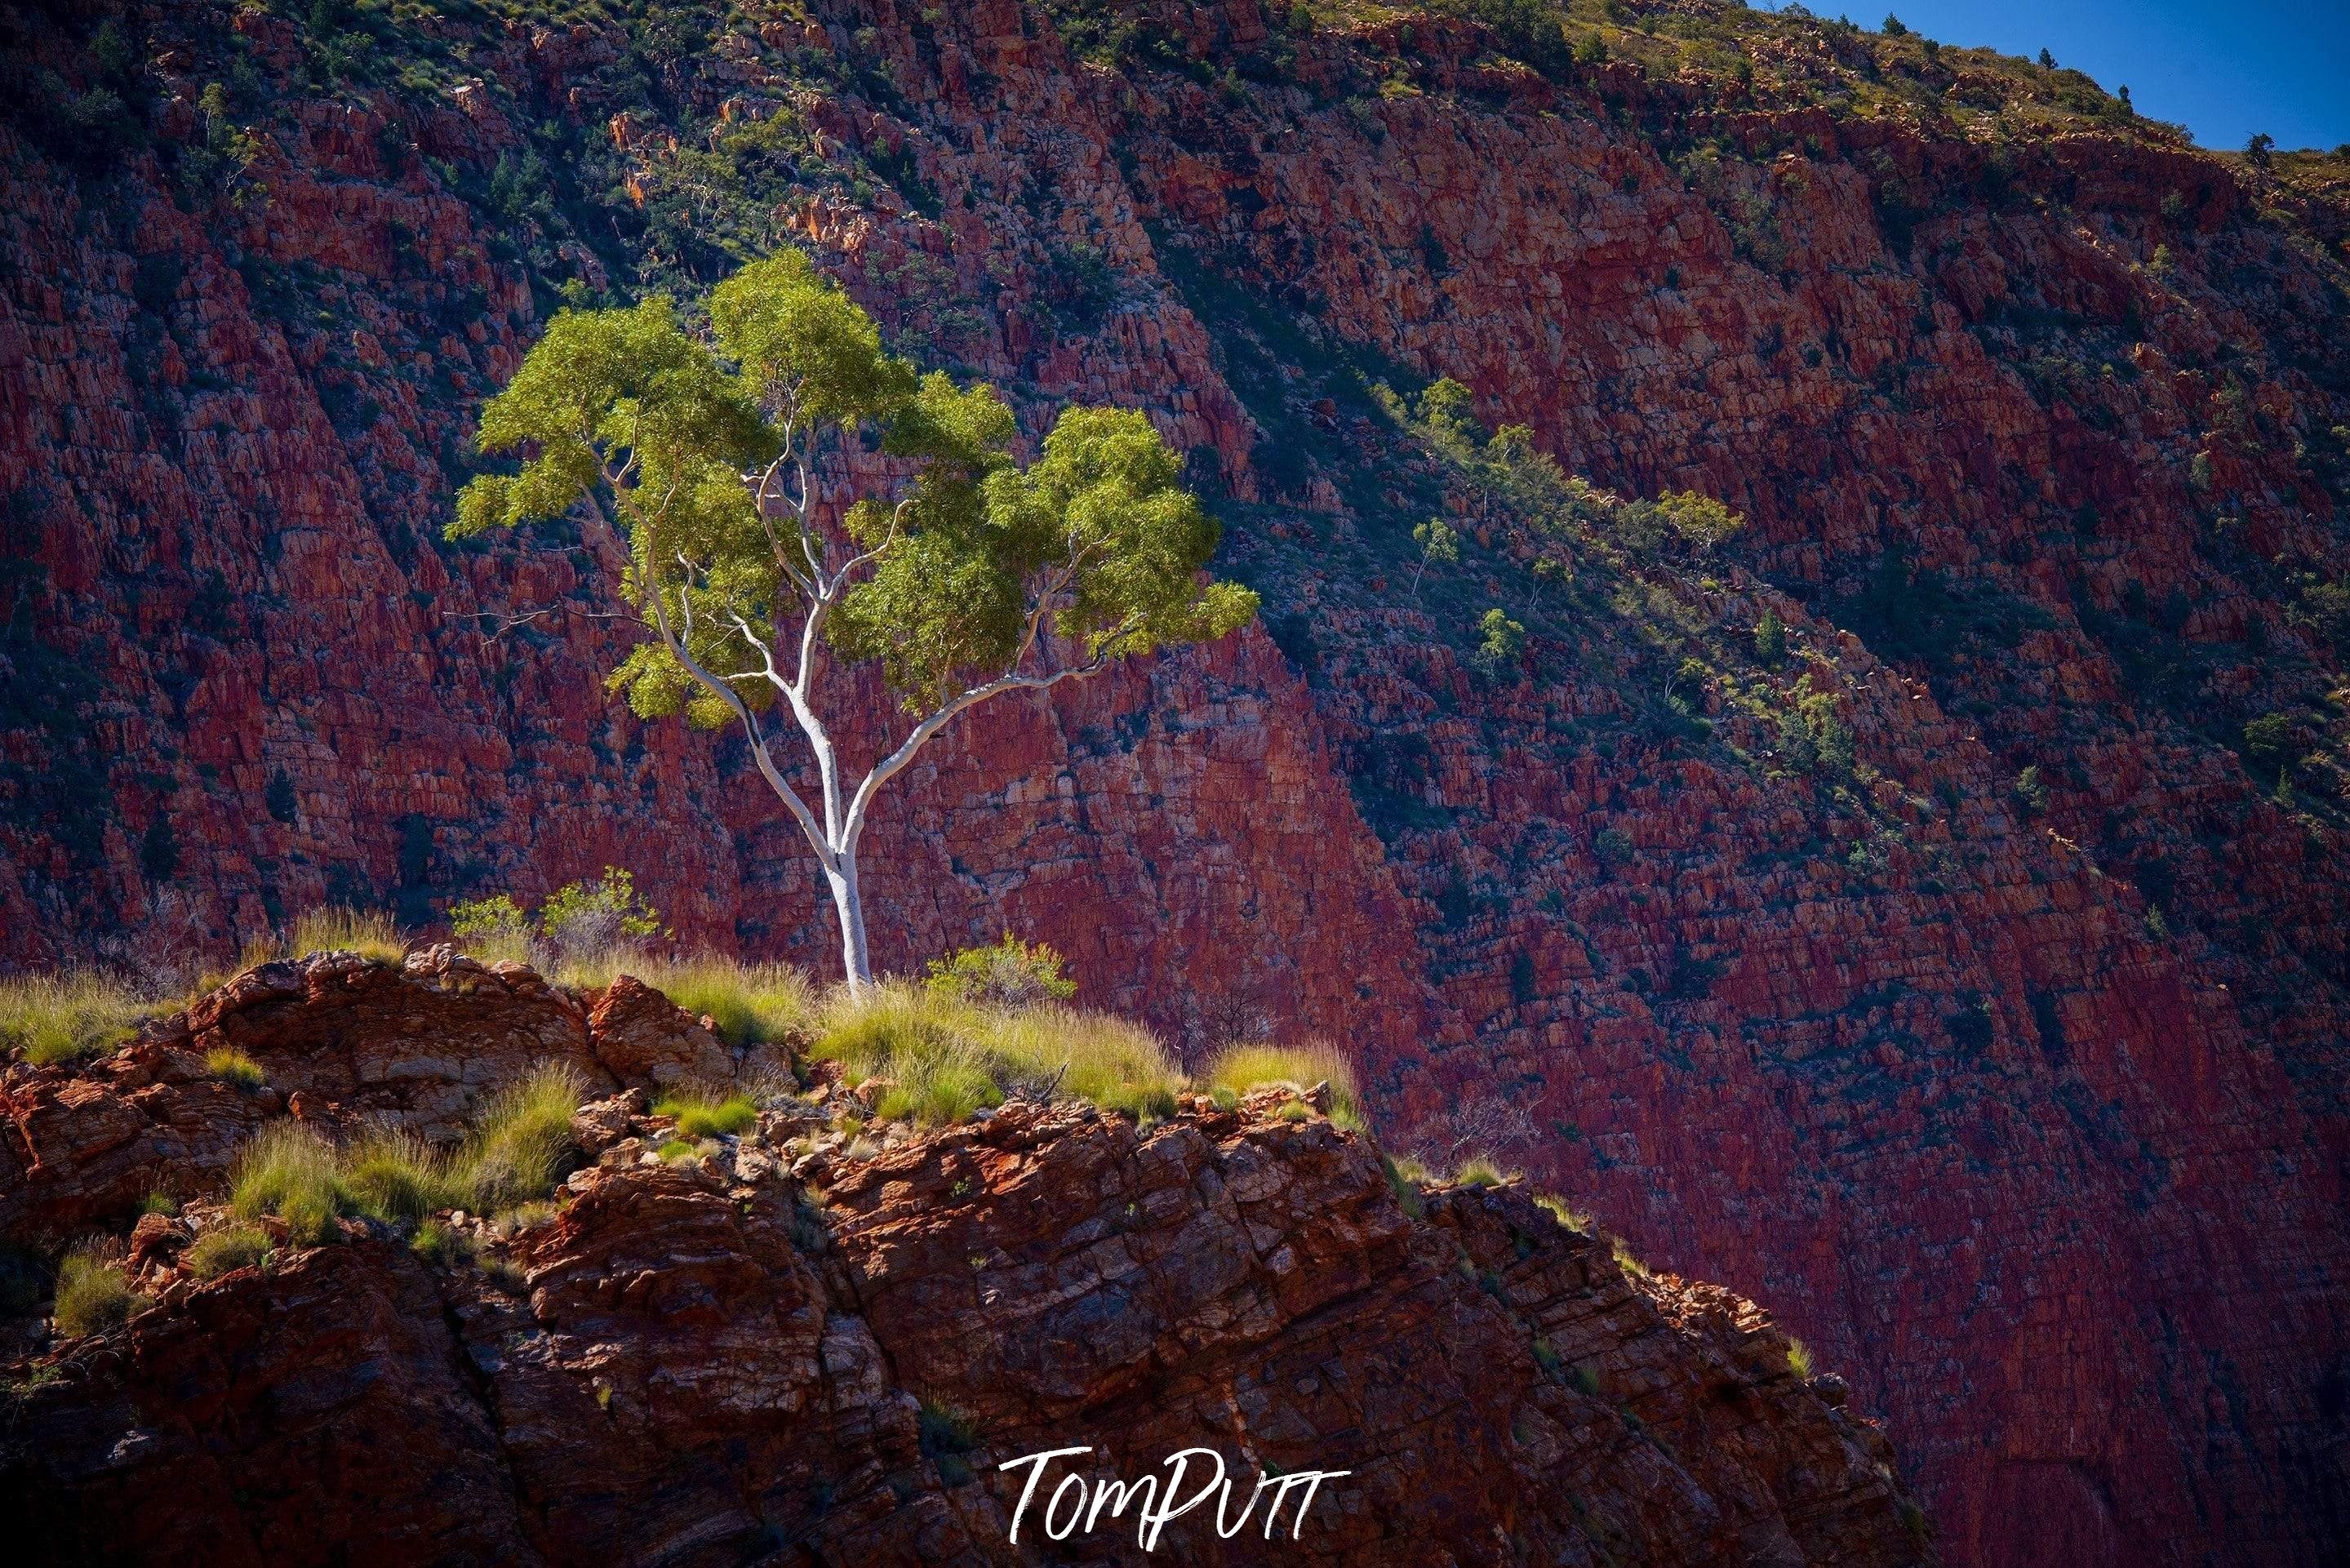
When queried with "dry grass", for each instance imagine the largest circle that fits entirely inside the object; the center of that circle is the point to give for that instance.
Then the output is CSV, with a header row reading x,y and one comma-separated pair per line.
x,y
1240,1068
57,1018
1575,1220
1480,1171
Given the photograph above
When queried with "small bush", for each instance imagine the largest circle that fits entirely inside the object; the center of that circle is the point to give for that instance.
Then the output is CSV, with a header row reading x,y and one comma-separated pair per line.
x,y
92,1294
1770,638
218,1252
586,920
233,1068
289,1171
1241,1068
58,1018
701,1118
366,932
1012,973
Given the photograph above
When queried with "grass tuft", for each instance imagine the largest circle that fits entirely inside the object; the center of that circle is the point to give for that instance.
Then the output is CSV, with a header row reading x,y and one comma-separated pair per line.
x,y
235,1068
370,933
1799,1357
221,1252
1478,1171
160,1203
394,1176
707,1115
518,1149
59,1018
1575,1220
93,1295
1240,1068
439,1245
289,1172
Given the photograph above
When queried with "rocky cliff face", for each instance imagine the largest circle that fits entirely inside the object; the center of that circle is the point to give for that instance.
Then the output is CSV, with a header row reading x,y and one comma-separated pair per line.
x,y
826,1353
2022,1096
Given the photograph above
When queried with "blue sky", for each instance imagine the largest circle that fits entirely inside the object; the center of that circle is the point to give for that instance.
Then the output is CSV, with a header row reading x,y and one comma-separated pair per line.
x,y
2224,68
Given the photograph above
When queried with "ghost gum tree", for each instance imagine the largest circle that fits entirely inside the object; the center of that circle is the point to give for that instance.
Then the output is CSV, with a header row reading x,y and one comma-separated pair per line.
x,y
722,460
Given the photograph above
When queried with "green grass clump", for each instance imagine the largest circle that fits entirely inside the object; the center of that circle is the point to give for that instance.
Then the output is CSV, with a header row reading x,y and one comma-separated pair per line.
x,y
750,1003
57,1018
701,1116
291,1172
946,1057
516,1152
93,1295
160,1203
1480,1171
218,1252
1799,1357
395,1176
1240,1068
370,933
676,1151
233,1067
439,1245
519,1146
1575,1220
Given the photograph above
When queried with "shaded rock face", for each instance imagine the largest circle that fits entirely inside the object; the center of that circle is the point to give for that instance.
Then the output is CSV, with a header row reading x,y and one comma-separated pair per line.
x,y
2060,1187
722,1361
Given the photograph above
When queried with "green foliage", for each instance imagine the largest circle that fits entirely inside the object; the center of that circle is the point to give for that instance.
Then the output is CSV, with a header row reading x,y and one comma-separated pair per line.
x,y
224,1250
1500,641
2033,791
1799,1357
233,1067
2269,742
1770,638
582,925
160,1203
439,1245
1242,1067
1011,974
1438,546
706,1116
62,1018
625,403
93,1295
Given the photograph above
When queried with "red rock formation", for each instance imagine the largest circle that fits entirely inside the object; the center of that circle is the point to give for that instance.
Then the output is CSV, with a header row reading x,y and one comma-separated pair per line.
x,y
2059,1186
753,1357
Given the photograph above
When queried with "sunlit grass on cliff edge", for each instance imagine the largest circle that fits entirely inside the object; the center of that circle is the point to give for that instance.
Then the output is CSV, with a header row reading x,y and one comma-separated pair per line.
x,y
1237,1069
945,1057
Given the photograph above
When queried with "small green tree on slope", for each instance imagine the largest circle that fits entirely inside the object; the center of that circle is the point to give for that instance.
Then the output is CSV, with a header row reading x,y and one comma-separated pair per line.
x,y
762,586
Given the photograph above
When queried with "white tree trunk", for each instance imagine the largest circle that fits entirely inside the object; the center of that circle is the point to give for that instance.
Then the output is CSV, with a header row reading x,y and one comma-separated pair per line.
x,y
848,902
